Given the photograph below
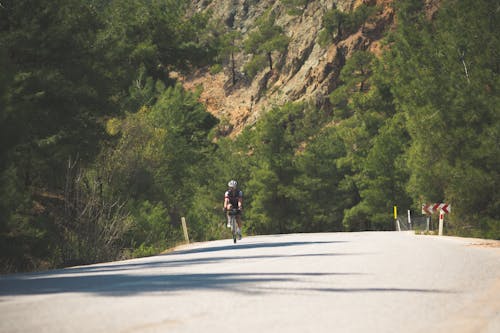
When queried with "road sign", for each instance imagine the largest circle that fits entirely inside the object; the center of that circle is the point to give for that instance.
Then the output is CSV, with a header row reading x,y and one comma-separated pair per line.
x,y
445,208
430,209
426,209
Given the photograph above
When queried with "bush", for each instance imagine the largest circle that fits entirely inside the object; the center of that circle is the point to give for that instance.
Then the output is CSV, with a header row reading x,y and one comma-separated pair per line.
x,y
255,65
215,69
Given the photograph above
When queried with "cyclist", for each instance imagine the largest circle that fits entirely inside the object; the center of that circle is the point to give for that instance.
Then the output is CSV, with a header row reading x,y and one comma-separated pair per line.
x,y
233,198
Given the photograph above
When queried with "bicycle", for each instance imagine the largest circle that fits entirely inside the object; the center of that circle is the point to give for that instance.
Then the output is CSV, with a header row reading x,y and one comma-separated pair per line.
x,y
233,223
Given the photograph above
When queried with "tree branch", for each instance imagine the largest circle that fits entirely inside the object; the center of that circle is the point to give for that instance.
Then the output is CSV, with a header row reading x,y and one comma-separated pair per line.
x,y
462,58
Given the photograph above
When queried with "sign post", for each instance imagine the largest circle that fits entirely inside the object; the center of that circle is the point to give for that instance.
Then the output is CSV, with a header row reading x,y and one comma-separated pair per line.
x,y
396,218
409,219
441,223
184,228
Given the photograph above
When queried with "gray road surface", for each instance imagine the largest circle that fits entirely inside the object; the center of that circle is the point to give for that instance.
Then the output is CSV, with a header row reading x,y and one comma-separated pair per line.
x,y
331,282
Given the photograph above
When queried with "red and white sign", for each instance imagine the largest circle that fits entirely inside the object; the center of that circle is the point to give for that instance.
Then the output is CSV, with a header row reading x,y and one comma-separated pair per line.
x,y
435,207
445,208
426,209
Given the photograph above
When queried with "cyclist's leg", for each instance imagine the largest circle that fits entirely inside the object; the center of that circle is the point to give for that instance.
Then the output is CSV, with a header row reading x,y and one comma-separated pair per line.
x,y
228,209
238,221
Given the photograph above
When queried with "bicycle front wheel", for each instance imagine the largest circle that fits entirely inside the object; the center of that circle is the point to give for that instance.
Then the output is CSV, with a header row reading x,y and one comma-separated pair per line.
x,y
234,228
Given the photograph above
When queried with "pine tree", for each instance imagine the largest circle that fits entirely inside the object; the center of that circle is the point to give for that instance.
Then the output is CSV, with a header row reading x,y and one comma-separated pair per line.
x,y
446,83
264,40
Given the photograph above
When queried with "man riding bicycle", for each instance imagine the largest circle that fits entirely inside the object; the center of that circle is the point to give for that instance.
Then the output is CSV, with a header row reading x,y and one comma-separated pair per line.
x,y
233,199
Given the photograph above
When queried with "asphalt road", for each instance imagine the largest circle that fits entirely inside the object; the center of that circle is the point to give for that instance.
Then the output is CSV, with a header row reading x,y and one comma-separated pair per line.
x,y
332,282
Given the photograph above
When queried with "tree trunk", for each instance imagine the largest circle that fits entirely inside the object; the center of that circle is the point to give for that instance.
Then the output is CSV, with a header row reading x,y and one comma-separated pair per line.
x,y
270,60
233,69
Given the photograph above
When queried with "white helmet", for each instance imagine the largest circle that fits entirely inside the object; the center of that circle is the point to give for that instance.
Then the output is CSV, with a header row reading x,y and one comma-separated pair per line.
x,y
232,183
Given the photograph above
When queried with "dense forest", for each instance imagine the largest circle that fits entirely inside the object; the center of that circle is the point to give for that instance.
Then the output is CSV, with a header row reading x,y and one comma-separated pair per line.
x,y
102,151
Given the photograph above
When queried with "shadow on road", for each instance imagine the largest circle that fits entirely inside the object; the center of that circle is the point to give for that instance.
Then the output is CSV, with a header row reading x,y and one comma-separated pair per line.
x,y
186,262
383,290
125,279
121,285
240,246
170,259
126,285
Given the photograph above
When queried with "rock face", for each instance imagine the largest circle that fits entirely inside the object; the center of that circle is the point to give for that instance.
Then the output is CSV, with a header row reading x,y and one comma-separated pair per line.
x,y
305,72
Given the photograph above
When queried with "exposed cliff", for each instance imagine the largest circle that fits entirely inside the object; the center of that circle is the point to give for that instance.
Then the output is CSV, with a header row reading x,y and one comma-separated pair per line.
x,y
305,71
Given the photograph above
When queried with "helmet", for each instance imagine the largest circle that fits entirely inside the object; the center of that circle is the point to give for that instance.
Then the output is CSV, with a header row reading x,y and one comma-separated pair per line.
x,y
232,183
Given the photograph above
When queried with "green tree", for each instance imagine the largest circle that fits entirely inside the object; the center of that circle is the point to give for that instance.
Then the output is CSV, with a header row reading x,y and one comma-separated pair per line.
x,y
272,170
375,141
354,83
278,191
317,191
382,180
295,7
451,118
230,45
184,148
52,93
159,162
67,67
265,39
338,25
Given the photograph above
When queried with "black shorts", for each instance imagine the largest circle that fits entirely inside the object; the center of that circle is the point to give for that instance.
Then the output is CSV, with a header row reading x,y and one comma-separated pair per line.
x,y
234,212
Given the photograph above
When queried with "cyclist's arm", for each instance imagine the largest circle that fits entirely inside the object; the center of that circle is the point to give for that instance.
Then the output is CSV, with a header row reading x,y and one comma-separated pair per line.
x,y
240,201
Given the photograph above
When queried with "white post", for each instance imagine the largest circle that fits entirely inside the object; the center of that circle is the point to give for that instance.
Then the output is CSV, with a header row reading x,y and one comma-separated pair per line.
x,y
184,228
441,222
409,219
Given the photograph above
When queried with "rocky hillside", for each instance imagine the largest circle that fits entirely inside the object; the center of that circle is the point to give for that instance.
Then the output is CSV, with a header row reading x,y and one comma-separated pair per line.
x,y
306,70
